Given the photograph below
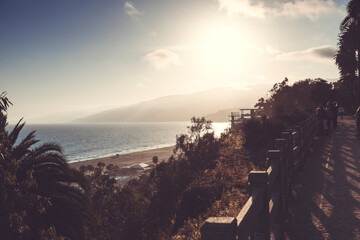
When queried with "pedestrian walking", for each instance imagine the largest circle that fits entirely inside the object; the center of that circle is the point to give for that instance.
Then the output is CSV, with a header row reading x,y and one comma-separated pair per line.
x,y
328,119
341,112
333,108
357,116
320,116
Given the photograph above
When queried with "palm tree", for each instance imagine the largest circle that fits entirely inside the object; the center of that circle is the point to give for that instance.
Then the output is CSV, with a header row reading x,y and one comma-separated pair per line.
x,y
53,196
348,55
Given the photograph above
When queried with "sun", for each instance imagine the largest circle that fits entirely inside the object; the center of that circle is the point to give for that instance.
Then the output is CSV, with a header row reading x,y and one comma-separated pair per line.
x,y
225,47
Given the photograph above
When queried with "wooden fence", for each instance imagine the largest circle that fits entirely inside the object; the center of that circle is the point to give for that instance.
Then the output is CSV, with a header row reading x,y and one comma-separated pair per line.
x,y
264,214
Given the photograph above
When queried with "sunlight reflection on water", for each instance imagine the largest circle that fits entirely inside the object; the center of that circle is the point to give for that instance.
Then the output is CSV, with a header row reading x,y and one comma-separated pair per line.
x,y
87,141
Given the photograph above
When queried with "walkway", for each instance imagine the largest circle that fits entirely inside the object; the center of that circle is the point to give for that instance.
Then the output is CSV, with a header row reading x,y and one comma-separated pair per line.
x,y
327,201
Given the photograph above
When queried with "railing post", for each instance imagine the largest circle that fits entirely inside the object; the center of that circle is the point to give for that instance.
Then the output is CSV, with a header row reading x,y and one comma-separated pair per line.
x,y
254,220
301,140
258,182
219,228
276,217
275,155
289,153
283,145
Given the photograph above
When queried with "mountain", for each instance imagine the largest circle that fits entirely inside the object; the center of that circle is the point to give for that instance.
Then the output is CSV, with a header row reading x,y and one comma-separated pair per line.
x,y
179,107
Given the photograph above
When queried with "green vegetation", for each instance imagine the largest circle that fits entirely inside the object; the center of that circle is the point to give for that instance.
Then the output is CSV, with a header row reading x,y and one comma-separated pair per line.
x,y
41,197
347,57
205,176
152,206
292,104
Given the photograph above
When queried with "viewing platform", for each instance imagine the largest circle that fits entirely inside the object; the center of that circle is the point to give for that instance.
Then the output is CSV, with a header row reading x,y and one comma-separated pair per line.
x,y
243,114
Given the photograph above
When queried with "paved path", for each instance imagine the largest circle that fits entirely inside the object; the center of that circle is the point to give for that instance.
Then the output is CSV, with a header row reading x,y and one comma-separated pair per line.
x,y
327,204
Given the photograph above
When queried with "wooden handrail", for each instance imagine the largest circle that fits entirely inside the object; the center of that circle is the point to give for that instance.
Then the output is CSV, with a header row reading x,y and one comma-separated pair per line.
x,y
264,214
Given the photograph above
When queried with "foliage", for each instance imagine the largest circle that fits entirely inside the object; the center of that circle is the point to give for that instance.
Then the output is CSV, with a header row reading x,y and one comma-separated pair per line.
x,y
347,57
219,191
40,196
285,106
260,133
292,104
147,208
199,145
155,159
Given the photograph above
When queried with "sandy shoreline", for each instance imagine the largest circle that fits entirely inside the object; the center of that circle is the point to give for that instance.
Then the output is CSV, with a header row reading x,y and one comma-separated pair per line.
x,y
129,159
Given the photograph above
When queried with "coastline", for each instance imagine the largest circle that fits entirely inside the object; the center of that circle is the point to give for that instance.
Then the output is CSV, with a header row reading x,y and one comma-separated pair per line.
x,y
129,159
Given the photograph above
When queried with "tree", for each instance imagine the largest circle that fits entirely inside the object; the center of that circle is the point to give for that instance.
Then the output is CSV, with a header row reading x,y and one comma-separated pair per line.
x,y
348,55
155,159
41,196
199,146
292,104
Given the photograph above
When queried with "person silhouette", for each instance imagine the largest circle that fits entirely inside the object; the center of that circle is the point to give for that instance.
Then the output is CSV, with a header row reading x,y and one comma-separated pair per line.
x,y
357,116
341,112
333,108
320,116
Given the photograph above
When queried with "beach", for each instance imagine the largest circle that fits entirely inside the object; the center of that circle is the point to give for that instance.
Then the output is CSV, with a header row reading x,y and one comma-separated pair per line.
x,y
129,159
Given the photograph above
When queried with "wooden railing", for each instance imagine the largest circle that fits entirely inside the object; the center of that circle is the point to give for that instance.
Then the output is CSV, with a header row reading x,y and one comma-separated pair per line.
x,y
266,210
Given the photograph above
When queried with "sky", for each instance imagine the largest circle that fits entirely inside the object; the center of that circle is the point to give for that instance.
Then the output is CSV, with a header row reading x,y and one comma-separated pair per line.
x,y
65,59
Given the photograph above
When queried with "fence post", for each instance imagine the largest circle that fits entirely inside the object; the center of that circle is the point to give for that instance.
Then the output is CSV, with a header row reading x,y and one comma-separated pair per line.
x,y
281,144
275,155
301,140
219,228
259,182
274,158
289,150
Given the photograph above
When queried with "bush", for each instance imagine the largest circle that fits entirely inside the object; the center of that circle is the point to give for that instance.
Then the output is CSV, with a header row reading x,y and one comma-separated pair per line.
x,y
293,104
260,133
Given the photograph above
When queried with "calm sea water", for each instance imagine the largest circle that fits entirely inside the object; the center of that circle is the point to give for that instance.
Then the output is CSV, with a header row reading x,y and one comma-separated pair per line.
x,y
87,141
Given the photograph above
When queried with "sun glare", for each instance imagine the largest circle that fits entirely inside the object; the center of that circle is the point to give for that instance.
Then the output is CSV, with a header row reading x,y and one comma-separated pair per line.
x,y
225,48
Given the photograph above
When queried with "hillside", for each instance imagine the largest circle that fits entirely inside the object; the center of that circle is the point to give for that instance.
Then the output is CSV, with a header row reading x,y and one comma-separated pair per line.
x,y
179,107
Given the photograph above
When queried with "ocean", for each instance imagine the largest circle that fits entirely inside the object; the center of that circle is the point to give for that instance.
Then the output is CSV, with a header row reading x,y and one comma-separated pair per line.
x,y
87,141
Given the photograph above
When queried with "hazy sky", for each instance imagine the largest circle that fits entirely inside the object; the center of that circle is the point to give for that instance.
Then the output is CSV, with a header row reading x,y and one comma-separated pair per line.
x,y
66,56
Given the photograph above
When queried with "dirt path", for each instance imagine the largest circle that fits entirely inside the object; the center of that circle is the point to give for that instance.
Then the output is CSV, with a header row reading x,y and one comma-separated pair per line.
x,y
327,203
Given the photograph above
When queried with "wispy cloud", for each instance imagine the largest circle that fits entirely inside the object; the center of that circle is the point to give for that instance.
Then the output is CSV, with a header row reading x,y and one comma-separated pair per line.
x,y
163,58
131,10
272,50
322,53
244,7
182,47
311,9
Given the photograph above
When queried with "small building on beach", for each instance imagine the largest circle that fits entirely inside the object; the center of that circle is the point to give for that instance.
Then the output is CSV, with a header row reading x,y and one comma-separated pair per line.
x,y
141,166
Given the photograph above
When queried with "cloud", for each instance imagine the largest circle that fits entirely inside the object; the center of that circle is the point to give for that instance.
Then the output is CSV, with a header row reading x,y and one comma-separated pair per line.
x,y
163,58
183,47
272,50
131,10
322,53
244,7
311,9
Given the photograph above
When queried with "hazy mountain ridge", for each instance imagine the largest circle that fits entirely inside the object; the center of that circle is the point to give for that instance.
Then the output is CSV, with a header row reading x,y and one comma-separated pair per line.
x,y
179,107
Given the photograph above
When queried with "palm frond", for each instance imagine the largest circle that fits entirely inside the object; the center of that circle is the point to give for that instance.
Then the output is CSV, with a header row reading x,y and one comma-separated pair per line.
x,y
4,102
45,148
15,132
23,148
48,160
